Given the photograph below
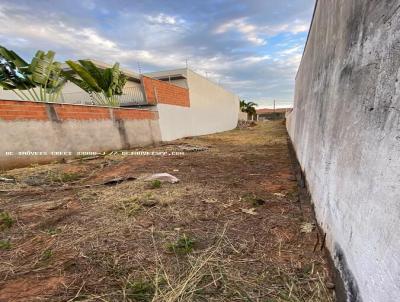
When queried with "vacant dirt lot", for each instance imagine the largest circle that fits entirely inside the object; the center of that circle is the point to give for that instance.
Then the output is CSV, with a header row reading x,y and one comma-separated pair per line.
x,y
232,229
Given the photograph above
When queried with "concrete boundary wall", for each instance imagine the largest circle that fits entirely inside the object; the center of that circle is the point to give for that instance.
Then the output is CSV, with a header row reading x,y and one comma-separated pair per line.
x,y
48,127
176,112
212,109
345,129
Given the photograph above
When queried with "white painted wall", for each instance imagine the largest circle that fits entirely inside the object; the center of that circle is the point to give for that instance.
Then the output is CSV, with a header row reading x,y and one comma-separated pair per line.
x,y
8,95
345,128
212,109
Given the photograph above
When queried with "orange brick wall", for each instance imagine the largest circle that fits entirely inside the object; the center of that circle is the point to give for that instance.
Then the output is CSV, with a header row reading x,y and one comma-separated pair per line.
x,y
166,93
27,110
15,110
76,112
124,114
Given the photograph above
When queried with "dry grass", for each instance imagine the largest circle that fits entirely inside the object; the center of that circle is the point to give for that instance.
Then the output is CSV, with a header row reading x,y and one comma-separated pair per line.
x,y
75,240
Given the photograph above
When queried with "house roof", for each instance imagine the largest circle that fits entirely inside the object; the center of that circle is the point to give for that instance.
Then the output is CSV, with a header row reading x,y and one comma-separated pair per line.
x,y
133,76
174,74
269,110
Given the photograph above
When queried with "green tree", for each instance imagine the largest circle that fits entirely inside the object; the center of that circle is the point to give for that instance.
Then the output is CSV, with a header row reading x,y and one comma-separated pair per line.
x,y
249,108
41,80
103,85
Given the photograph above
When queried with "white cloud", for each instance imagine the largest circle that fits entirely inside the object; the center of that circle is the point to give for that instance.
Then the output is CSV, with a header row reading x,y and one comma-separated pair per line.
x,y
256,59
294,27
249,31
292,50
164,19
253,33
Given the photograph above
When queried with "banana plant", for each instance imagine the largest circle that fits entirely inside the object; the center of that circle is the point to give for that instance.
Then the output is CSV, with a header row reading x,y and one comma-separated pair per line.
x,y
13,72
43,75
47,75
103,85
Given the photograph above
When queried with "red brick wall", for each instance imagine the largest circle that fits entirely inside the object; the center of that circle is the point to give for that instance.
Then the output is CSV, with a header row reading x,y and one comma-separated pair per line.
x,y
15,110
27,110
124,114
76,112
166,93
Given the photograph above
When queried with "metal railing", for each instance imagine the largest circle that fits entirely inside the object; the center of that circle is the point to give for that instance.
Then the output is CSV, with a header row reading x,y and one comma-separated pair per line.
x,y
131,96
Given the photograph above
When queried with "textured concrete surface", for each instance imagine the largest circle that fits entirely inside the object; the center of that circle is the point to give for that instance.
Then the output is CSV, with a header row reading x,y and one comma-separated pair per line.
x,y
345,128
71,136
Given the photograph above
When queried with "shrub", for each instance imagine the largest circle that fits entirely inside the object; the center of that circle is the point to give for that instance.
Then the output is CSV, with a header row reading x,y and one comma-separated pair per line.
x,y
140,291
155,184
5,245
6,221
184,245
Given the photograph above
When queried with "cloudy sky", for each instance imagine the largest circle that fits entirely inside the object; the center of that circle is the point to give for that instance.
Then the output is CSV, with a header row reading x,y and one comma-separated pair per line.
x,y
252,47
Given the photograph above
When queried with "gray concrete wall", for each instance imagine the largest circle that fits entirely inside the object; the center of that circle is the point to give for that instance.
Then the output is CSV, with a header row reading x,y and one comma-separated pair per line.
x,y
83,134
212,109
345,128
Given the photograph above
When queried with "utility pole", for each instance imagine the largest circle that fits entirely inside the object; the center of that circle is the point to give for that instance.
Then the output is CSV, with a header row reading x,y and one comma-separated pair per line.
x,y
274,105
186,64
139,68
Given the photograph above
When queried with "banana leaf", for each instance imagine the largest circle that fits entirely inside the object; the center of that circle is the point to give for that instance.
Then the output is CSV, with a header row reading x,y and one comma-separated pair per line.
x,y
108,79
54,77
41,67
115,74
12,77
11,56
121,83
7,86
85,76
102,84
78,82
95,72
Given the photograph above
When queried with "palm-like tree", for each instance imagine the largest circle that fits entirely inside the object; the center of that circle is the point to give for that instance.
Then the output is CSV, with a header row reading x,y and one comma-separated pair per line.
x,y
103,85
22,78
249,108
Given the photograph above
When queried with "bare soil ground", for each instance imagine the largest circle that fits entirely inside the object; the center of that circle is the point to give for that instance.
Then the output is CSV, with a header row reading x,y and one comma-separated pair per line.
x,y
232,229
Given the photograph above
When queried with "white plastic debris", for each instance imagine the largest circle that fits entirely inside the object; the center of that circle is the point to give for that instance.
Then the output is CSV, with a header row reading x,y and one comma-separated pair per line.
x,y
307,227
190,148
163,177
251,211
5,179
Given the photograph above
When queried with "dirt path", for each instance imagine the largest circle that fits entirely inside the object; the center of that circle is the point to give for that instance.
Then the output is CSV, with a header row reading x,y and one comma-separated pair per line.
x,y
232,229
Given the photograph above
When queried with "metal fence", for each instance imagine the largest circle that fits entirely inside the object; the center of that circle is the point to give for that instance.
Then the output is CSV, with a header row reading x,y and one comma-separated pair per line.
x,y
131,96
